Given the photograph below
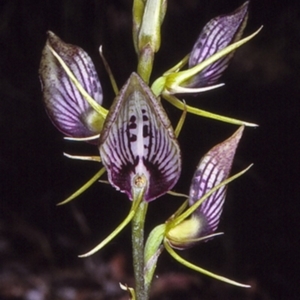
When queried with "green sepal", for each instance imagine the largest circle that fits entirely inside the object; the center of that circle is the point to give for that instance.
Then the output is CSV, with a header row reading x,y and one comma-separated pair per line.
x,y
109,72
84,187
201,270
80,157
175,194
181,121
138,194
203,113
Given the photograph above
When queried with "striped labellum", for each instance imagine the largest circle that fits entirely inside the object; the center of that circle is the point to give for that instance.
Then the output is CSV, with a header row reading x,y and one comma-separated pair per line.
x,y
138,146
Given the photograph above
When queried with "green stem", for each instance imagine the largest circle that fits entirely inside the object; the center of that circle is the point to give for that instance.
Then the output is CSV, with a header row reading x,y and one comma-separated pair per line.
x,y
145,63
138,250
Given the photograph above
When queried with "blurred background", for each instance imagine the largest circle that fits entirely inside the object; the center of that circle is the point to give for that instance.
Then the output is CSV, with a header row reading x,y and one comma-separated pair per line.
x,y
39,241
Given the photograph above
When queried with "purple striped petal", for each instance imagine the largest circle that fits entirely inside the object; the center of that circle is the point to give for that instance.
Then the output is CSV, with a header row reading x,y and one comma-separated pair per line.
x,y
138,140
66,107
213,168
217,34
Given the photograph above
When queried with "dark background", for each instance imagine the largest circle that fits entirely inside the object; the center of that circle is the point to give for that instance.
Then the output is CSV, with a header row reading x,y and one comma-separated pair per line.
x,y
39,242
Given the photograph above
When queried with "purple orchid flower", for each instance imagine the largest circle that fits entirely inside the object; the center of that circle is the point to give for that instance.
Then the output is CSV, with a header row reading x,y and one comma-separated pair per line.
x,y
138,145
213,169
217,34
66,104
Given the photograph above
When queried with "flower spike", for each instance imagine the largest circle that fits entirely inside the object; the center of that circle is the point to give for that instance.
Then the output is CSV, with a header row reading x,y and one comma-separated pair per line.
x,y
67,108
138,142
137,145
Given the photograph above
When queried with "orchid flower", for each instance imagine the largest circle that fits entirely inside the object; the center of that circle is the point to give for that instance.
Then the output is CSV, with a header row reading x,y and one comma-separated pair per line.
x,y
138,145
207,61
200,220
216,35
71,89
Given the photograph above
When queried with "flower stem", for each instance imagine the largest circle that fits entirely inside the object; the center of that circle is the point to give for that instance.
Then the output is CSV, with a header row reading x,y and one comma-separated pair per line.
x,y
138,250
145,63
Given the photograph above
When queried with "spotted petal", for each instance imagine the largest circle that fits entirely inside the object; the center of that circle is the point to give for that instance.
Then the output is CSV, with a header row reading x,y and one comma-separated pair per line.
x,y
67,108
213,168
217,34
138,141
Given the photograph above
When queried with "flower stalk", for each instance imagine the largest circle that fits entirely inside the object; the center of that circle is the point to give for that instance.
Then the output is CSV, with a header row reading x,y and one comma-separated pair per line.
x,y
138,222
138,146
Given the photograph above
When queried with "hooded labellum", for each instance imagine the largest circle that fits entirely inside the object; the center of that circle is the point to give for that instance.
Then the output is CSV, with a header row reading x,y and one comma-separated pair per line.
x,y
67,108
212,170
217,34
138,145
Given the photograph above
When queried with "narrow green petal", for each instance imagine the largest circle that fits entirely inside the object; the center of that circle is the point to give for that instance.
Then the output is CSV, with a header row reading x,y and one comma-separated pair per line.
x,y
180,122
201,270
109,72
84,187
199,112
137,17
187,90
177,194
135,203
80,157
